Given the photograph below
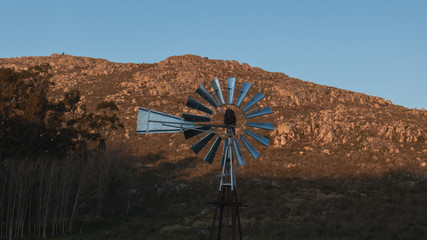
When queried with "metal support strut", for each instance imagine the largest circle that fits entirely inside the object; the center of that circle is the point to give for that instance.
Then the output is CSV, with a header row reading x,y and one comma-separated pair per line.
x,y
227,205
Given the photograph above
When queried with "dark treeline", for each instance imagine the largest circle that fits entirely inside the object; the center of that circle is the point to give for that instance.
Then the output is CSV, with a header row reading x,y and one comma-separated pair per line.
x,y
32,126
53,166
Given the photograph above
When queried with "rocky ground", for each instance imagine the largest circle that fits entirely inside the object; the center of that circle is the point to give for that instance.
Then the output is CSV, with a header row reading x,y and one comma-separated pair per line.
x,y
367,134
340,163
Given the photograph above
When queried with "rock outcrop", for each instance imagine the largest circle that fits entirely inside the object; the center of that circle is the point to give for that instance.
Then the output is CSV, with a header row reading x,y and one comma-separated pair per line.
x,y
311,121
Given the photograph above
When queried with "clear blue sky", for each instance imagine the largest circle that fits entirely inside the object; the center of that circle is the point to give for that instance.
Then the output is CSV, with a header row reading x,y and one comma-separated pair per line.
x,y
374,47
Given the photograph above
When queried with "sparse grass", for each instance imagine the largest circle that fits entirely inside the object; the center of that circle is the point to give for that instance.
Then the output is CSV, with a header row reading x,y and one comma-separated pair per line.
x,y
387,207
321,203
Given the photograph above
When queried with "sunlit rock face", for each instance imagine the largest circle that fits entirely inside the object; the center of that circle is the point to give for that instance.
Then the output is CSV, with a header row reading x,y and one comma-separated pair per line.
x,y
312,122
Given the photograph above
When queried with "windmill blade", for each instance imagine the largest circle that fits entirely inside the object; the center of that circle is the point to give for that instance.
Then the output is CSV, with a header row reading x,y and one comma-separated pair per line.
x,y
268,126
255,154
189,133
194,104
201,90
243,91
258,96
264,111
202,143
224,152
259,138
218,91
239,156
211,154
231,84
195,118
150,121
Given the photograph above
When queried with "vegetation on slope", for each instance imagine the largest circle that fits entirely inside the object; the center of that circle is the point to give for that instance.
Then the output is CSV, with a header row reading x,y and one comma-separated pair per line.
x,y
52,165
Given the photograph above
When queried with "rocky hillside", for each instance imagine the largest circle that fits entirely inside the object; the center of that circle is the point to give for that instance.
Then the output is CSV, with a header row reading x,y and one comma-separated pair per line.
x,y
319,130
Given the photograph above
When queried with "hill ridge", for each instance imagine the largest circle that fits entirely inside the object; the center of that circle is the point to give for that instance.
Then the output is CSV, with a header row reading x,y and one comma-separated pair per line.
x,y
311,120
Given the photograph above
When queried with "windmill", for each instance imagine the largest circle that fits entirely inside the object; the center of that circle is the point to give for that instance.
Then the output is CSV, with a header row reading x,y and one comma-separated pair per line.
x,y
227,205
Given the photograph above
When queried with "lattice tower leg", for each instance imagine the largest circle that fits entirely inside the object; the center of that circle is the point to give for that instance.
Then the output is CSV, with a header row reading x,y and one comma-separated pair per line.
x,y
227,211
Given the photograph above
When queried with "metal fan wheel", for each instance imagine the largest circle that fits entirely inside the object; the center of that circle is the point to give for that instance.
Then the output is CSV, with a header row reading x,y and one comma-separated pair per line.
x,y
238,120
216,127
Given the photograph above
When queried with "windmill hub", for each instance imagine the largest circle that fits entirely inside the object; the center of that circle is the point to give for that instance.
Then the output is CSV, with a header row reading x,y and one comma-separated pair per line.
x,y
229,117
